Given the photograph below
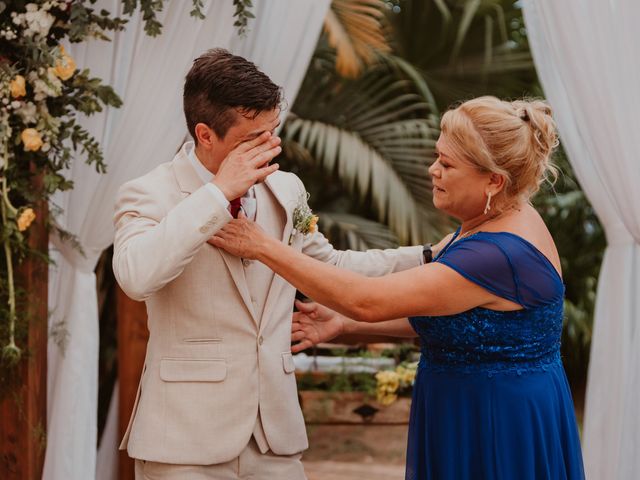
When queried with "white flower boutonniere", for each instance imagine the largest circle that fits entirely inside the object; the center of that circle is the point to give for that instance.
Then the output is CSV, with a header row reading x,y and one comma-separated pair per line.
x,y
304,221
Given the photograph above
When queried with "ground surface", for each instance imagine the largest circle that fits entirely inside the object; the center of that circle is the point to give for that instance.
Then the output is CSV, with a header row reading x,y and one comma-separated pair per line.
x,y
354,452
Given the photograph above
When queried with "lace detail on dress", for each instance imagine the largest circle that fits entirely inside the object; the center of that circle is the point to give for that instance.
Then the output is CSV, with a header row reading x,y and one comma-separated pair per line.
x,y
490,341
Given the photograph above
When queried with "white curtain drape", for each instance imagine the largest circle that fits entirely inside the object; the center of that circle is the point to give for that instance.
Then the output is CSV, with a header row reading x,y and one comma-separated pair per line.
x,y
588,58
148,74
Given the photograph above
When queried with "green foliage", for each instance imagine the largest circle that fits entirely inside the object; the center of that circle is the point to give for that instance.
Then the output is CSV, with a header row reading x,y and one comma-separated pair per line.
x,y
339,382
242,14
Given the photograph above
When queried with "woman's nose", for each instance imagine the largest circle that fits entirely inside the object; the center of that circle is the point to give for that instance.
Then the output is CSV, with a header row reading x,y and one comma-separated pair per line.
x,y
433,170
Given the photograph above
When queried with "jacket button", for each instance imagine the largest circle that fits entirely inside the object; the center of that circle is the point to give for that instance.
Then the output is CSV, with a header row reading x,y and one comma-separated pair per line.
x,y
246,263
260,340
214,219
203,229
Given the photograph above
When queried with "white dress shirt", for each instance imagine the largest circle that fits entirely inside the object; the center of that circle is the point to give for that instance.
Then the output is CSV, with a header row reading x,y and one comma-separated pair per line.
x,y
248,201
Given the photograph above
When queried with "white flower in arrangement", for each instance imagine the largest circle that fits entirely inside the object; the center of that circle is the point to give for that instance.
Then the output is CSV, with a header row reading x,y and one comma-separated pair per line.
x,y
304,221
8,33
38,22
47,86
28,113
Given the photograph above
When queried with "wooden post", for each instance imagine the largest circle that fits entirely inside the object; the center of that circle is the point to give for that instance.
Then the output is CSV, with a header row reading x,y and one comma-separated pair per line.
x,y
23,414
132,347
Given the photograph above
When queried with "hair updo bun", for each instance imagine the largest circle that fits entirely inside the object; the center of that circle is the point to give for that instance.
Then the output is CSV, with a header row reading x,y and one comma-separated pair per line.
x,y
514,139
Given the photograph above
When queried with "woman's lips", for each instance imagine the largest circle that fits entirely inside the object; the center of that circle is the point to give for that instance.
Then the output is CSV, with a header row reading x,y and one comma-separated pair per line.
x,y
437,189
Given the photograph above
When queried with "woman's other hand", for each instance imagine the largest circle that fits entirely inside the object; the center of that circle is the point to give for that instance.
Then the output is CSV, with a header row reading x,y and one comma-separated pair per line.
x,y
313,324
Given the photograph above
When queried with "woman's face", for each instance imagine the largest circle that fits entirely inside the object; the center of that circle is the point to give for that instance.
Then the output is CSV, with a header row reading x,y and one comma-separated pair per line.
x,y
459,187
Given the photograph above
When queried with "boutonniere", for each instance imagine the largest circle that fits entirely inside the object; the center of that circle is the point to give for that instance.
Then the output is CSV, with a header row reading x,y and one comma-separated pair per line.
x,y
304,221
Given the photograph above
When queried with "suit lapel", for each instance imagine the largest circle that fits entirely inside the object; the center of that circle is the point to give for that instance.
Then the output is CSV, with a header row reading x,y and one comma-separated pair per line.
x,y
234,265
281,193
189,182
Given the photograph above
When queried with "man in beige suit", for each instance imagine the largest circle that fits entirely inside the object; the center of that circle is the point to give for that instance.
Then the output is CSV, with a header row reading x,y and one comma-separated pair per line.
x,y
217,396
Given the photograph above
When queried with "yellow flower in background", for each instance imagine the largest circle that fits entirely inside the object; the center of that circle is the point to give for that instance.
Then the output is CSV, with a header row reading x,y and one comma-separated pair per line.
x,y
389,380
18,87
25,219
386,399
407,375
65,66
32,139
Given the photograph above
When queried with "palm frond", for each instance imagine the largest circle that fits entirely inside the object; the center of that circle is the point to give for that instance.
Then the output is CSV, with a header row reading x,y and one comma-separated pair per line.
x,y
376,134
355,29
355,232
366,172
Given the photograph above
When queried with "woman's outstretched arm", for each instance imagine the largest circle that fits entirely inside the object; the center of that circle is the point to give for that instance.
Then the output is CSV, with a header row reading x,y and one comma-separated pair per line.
x,y
314,323
431,289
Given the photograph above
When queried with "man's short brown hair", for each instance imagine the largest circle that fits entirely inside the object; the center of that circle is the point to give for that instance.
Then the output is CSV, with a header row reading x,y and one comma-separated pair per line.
x,y
220,86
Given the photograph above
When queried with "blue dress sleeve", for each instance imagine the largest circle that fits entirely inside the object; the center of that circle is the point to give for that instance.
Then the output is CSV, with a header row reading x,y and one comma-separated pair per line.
x,y
507,266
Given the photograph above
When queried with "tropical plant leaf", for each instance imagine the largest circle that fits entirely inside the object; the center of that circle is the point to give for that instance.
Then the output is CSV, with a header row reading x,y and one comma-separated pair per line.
x,y
355,29
356,232
463,49
376,134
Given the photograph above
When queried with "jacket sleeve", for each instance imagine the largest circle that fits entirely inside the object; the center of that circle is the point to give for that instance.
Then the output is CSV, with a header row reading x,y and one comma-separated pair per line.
x,y
372,263
153,243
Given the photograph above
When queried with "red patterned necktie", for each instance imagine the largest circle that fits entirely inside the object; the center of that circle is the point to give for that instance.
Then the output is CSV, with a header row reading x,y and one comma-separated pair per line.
x,y
234,207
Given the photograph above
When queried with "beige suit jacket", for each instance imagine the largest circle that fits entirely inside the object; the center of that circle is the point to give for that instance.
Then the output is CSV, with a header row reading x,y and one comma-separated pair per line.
x,y
213,364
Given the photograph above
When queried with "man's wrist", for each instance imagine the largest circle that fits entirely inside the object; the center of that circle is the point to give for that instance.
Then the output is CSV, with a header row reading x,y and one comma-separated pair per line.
x,y
227,194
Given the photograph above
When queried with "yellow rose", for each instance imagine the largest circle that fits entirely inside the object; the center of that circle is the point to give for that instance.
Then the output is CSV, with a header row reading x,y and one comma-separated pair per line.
x,y
313,224
18,87
25,219
65,66
388,381
32,139
386,400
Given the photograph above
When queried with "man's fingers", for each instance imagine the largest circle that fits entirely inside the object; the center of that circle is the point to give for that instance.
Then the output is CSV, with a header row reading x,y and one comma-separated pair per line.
x,y
259,140
266,171
272,143
265,157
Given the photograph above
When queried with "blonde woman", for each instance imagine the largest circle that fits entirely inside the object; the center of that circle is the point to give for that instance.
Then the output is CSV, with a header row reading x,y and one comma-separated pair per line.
x,y
491,399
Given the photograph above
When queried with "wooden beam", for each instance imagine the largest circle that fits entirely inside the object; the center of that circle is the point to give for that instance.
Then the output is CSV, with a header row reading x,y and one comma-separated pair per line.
x,y
132,347
23,413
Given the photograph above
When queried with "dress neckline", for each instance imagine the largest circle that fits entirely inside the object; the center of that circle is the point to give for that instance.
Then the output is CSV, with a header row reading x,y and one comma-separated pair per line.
x,y
513,235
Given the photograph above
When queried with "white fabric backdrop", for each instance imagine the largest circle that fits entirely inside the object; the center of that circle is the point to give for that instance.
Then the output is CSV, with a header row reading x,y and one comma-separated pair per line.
x,y
588,58
148,74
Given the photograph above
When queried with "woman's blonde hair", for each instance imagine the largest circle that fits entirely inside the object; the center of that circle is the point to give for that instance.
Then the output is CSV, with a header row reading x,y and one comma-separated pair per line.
x,y
514,139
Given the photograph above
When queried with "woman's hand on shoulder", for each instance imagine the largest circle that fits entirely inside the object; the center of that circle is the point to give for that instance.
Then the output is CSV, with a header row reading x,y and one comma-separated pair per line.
x,y
241,238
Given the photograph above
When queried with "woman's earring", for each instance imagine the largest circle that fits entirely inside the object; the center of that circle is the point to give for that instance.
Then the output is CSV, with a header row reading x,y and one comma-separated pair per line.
x,y
488,205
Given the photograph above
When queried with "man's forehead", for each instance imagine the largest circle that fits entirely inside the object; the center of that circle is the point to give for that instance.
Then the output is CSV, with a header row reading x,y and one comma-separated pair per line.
x,y
253,126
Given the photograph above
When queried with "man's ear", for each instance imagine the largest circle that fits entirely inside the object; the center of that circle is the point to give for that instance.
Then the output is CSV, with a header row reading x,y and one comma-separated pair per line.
x,y
205,135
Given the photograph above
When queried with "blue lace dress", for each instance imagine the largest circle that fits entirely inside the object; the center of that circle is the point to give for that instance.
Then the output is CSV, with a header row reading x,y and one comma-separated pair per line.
x,y
491,400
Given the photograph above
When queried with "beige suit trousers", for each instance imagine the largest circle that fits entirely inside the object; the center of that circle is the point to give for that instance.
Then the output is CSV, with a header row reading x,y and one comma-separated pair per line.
x,y
249,465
